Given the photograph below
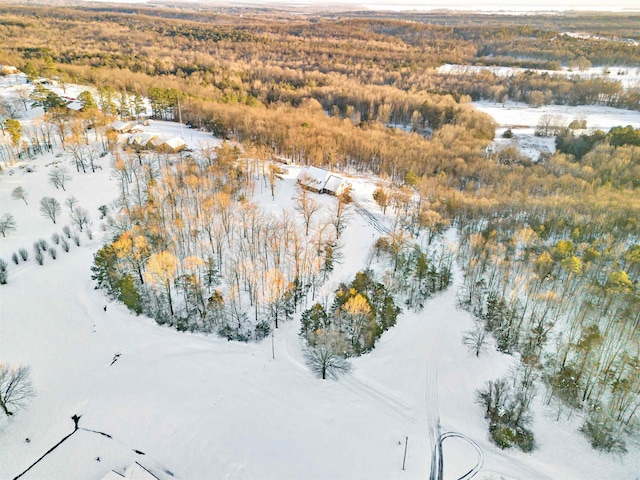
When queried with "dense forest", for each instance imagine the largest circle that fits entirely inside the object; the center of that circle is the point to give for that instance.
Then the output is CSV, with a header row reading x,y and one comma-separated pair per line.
x,y
549,248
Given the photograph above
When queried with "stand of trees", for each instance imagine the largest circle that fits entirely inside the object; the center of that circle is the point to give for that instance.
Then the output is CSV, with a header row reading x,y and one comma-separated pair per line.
x,y
567,300
191,250
360,313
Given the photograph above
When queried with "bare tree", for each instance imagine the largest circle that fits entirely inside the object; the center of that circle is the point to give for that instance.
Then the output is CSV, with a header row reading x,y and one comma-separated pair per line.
x,y
327,355
93,154
59,177
7,224
340,213
307,207
15,388
80,217
23,92
275,172
19,193
79,154
550,125
275,285
475,339
71,202
49,207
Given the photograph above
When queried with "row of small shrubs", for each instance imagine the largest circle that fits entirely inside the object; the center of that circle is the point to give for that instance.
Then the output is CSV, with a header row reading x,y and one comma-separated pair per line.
x,y
42,248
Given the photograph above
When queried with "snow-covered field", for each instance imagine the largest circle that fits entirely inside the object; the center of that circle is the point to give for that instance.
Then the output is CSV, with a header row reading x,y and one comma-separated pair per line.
x,y
522,120
627,76
521,115
194,406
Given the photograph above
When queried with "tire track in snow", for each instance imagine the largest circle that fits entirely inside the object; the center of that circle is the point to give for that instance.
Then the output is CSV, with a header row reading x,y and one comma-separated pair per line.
x,y
370,218
359,386
436,436
431,405
479,463
394,406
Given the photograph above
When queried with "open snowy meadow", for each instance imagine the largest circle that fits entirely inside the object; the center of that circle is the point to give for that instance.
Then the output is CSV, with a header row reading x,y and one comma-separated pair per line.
x,y
196,406
523,119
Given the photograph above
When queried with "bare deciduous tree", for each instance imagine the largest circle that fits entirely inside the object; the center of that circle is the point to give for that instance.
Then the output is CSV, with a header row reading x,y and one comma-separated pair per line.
x,y
15,388
307,207
327,356
22,93
80,218
58,177
71,202
19,193
475,339
7,224
340,214
50,208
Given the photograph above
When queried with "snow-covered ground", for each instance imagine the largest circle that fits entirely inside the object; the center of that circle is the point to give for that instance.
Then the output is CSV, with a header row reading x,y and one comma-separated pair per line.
x,y
627,76
194,406
521,115
522,120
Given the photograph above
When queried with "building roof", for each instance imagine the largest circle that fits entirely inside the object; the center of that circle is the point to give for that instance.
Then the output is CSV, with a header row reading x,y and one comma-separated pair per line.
x,y
120,126
320,179
333,184
175,142
141,138
313,177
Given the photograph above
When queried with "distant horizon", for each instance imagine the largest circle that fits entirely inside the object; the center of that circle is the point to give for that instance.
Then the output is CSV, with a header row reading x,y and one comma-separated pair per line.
x,y
493,6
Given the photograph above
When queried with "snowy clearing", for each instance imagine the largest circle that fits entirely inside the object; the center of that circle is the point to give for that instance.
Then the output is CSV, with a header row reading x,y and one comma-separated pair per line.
x,y
522,120
629,77
521,115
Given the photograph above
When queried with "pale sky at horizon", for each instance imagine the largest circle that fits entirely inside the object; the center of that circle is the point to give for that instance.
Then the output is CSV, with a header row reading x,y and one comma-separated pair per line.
x,y
425,5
